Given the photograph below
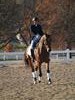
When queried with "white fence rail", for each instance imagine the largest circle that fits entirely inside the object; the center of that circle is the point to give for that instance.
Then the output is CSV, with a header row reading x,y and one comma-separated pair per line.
x,y
11,56
65,54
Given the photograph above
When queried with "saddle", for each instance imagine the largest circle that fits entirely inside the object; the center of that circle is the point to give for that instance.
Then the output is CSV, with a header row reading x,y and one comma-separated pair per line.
x,y
30,51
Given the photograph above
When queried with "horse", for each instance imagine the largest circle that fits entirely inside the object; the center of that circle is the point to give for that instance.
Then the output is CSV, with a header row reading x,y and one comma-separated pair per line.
x,y
42,53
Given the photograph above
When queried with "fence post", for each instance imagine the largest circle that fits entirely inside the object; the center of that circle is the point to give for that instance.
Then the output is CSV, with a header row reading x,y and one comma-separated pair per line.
x,y
16,57
57,56
68,54
4,57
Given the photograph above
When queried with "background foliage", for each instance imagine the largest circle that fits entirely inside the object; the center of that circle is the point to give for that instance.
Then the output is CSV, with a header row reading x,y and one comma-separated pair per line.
x,y
56,16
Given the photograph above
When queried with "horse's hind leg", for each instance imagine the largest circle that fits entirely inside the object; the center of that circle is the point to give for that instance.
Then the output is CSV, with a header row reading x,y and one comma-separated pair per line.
x,y
48,73
40,74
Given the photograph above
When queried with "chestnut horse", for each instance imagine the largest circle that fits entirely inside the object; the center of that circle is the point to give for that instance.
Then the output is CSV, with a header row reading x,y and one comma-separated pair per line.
x,y
41,53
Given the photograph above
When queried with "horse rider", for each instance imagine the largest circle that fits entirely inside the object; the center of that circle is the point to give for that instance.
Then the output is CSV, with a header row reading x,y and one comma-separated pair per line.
x,y
37,33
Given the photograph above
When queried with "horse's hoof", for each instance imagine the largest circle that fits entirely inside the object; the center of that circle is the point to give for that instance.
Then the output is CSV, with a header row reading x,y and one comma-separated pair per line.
x,y
49,81
39,81
35,82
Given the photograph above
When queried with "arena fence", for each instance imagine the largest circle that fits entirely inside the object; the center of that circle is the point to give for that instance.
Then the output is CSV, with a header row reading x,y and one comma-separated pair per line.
x,y
64,54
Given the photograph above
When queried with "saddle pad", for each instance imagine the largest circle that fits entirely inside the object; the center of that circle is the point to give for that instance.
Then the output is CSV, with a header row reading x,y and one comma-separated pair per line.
x,y
29,50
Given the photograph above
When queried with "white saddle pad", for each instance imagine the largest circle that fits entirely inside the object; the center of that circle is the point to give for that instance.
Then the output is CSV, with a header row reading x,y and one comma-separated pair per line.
x,y
28,51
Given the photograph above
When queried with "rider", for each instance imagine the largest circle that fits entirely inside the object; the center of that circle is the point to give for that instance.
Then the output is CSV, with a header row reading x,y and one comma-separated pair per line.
x,y
37,33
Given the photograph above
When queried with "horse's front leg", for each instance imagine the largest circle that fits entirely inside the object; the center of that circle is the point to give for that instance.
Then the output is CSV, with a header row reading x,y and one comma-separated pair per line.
x,y
40,73
33,71
48,73
34,77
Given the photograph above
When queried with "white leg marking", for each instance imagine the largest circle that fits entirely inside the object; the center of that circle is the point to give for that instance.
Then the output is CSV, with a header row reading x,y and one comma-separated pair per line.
x,y
33,75
36,74
39,78
48,76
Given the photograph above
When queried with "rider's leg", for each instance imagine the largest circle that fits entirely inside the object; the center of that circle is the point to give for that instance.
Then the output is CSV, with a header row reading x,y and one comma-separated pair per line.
x,y
35,41
33,45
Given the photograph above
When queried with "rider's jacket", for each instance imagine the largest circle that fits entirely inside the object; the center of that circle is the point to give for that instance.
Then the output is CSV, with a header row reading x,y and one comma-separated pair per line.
x,y
37,29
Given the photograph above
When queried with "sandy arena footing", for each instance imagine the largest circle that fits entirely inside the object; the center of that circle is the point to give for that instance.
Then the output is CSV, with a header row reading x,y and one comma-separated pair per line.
x,y
16,82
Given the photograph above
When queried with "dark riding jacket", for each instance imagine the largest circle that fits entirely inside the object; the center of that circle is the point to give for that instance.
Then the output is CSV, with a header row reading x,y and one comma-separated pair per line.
x,y
37,29
37,33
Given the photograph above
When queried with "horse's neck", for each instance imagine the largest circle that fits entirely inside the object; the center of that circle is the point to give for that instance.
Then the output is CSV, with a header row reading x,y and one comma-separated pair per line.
x,y
41,42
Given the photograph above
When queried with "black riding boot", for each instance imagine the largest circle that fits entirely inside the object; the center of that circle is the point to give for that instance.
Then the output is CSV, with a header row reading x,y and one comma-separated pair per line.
x,y
32,54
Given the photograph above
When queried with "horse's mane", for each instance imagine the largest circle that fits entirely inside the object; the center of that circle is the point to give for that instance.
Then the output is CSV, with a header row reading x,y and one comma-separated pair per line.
x,y
41,42
41,51
44,38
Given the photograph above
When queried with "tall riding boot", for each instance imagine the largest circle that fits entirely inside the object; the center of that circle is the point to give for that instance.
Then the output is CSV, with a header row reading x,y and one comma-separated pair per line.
x,y
32,54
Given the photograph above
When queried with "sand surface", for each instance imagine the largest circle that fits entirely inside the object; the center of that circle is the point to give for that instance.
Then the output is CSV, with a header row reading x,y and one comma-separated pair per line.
x,y
16,82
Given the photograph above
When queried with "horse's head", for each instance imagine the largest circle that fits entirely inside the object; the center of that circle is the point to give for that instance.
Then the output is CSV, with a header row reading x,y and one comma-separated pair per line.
x,y
47,42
